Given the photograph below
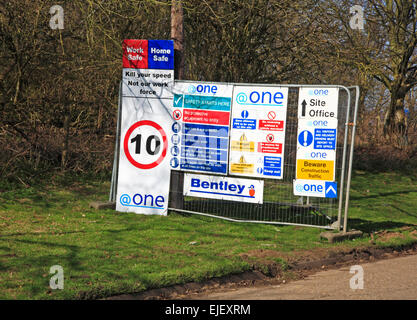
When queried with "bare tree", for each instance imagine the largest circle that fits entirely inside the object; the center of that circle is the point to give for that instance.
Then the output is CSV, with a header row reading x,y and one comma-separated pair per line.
x,y
177,34
385,50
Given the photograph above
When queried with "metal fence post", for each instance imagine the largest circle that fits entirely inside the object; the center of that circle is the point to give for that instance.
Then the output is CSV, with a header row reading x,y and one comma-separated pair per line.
x,y
351,159
342,177
115,171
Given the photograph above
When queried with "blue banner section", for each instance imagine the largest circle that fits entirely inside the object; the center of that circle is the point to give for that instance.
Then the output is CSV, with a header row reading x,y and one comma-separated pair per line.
x,y
205,142
161,54
201,165
272,171
206,130
207,103
249,124
272,162
272,166
204,154
325,139
330,189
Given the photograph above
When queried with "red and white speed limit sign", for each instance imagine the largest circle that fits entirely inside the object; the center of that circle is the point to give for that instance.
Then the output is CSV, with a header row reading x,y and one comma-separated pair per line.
x,y
145,144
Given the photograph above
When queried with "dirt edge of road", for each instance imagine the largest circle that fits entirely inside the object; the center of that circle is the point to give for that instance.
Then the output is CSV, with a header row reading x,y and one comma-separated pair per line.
x,y
299,266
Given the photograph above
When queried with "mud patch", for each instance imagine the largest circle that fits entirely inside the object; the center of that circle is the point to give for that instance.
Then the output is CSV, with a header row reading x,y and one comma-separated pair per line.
x,y
385,236
251,278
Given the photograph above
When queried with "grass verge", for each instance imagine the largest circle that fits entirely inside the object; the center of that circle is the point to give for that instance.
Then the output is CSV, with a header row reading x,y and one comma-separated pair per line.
x,y
107,253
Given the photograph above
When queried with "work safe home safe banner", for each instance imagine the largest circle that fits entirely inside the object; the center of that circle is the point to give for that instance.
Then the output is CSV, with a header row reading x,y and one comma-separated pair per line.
x,y
146,122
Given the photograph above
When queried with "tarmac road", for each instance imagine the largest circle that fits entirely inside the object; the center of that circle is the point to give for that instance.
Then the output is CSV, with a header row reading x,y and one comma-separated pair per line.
x,y
389,279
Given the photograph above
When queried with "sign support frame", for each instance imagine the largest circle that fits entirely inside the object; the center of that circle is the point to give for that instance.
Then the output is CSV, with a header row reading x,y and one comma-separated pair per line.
x,y
336,225
352,144
114,176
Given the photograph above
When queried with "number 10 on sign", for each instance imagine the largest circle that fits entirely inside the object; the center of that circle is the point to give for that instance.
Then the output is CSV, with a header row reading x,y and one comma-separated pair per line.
x,y
145,144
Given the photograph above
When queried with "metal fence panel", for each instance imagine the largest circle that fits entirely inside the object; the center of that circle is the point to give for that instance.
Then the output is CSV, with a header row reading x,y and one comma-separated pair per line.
x,y
280,205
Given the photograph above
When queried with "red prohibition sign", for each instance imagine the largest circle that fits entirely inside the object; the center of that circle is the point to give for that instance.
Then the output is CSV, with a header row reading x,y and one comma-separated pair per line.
x,y
270,137
126,144
177,114
271,115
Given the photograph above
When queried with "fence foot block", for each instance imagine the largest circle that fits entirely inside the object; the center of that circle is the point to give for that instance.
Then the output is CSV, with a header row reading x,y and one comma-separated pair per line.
x,y
340,236
99,205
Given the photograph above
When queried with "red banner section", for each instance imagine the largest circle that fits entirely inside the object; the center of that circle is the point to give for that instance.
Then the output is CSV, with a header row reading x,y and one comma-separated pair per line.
x,y
135,54
272,125
267,147
206,116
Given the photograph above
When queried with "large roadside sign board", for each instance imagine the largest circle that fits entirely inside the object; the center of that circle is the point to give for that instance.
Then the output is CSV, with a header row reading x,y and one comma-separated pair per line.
x,y
316,142
257,138
146,122
218,129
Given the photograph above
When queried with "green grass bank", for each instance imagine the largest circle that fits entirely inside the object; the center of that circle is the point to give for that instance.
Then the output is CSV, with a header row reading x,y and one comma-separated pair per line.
x,y
106,253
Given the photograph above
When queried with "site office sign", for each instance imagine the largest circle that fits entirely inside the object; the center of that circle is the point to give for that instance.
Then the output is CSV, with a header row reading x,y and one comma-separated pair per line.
x,y
316,103
316,142
146,121
316,149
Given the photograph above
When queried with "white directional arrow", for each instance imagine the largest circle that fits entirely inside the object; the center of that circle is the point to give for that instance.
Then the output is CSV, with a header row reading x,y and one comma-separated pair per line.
x,y
330,188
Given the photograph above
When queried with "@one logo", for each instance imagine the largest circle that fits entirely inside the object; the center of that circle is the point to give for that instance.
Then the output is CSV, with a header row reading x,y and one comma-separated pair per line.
x,y
318,92
311,188
212,89
299,188
191,89
125,199
241,98
142,201
265,98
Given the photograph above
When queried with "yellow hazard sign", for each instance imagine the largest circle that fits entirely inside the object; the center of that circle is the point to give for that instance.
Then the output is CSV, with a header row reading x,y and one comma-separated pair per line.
x,y
315,170
243,146
242,166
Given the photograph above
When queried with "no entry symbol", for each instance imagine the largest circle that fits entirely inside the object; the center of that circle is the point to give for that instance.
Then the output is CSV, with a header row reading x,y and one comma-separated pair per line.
x,y
177,114
270,137
271,115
